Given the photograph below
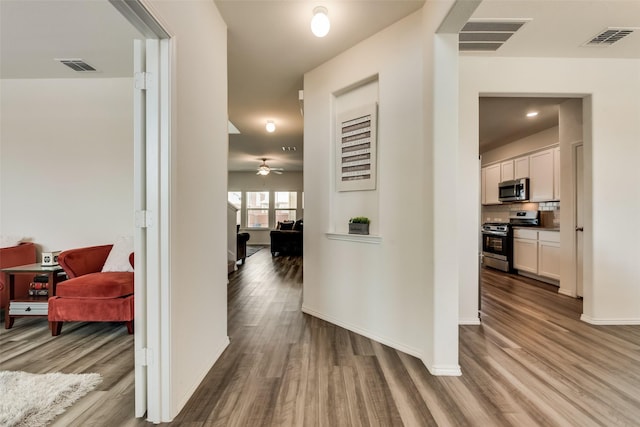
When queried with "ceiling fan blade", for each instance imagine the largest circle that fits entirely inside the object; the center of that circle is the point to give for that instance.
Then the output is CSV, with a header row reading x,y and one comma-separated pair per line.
x,y
278,172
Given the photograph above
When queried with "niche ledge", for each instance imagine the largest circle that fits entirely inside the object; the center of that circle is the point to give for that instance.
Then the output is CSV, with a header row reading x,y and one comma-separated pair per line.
x,y
360,238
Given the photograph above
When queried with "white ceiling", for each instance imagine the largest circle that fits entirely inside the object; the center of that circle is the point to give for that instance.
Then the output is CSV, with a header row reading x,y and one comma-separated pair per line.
x,y
35,32
270,48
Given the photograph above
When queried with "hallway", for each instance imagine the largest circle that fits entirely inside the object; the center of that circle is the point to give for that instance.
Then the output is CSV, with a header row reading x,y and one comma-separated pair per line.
x,y
532,362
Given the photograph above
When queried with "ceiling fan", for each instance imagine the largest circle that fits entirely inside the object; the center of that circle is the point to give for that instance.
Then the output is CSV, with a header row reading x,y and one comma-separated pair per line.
x,y
264,169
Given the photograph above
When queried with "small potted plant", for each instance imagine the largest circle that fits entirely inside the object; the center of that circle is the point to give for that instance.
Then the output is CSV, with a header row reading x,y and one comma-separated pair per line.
x,y
359,225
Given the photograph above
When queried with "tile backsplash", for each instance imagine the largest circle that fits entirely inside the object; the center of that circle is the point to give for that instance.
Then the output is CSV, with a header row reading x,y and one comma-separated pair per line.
x,y
549,212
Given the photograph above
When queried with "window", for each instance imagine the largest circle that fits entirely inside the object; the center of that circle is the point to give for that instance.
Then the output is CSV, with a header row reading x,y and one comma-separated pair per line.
x,y
286,203
258,209
235,198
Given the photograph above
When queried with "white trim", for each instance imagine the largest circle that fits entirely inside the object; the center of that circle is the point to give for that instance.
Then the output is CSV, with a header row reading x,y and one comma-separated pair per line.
x,y
592,321
445,370
469,322
360,238
164,206
400,347
567,292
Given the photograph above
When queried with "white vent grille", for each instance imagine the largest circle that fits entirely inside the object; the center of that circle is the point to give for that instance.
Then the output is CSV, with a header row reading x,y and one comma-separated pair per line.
x,y
609,36
487,35
78,65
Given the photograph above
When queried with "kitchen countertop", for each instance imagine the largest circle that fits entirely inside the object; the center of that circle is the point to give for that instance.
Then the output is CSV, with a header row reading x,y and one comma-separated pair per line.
x,y
538,227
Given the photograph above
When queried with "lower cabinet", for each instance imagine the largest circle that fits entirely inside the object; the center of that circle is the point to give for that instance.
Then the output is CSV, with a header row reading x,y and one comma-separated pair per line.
x,y
549,254
537,252
525,254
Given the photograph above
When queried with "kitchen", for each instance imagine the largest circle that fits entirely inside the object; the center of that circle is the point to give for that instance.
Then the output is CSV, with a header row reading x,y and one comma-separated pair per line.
x,y
520,146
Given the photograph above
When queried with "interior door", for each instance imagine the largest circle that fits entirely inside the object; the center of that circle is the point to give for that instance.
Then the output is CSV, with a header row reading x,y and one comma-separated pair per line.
x,y
140,236
579,233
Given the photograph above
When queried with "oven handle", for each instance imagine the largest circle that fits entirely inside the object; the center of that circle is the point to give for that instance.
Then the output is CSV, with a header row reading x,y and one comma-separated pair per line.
x,y
494,233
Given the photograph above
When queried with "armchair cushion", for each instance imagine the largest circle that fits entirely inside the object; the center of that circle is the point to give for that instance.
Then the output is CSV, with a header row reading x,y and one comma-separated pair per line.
x,y
285,225
81,261
97,286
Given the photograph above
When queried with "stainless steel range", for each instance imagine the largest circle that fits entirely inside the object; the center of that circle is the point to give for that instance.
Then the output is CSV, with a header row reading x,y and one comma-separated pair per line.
x,y
497,248
497,239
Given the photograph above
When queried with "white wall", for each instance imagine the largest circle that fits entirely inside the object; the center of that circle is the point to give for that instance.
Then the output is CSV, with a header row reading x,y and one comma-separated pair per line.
x,y
198,196
66,156
612,129
528,144
249,181
382,290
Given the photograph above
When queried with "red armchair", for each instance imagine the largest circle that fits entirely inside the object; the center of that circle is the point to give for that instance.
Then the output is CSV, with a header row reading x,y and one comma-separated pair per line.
x,y
90,295
22,254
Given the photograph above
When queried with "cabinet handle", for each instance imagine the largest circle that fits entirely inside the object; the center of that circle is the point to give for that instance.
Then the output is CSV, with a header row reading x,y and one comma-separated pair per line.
x,y
579,228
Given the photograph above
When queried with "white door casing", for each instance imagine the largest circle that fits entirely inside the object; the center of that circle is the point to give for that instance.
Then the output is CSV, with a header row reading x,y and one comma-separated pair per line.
x,y
151,205
579,234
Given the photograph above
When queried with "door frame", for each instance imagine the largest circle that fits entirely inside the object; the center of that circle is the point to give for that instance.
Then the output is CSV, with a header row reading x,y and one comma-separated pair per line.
x,y
152,118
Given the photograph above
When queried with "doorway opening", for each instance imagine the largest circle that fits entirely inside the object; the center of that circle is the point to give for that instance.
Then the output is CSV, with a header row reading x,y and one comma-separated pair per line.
x,y
513,146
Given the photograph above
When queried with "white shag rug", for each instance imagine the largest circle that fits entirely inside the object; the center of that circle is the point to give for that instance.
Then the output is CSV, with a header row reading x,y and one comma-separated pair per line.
x,y
35,399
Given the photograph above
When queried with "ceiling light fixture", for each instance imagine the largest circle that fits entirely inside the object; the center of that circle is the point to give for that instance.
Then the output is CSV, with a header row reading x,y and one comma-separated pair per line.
x,y
532,114
263,169
320,24
271,127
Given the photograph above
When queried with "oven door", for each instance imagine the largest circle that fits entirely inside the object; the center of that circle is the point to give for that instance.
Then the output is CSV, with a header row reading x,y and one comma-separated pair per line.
x,y
495,245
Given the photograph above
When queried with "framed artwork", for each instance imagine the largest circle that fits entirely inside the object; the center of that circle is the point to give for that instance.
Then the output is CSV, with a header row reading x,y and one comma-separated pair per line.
x,y
356,149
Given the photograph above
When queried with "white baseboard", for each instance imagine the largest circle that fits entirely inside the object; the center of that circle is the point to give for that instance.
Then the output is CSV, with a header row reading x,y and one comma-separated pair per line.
x,y
567,292
612,322
401,347
445,370
473,322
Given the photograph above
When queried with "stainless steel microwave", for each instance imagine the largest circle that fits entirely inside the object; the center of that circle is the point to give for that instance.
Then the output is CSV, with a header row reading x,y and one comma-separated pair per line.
x,y
515,190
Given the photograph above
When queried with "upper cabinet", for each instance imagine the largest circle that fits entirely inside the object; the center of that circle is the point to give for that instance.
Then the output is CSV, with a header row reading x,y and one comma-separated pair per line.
x,y
542,168
490,179
506,169
544,175
521,167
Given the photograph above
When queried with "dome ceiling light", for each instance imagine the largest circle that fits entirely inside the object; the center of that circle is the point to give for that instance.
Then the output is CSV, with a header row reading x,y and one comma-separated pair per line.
x,y
271,126
320,24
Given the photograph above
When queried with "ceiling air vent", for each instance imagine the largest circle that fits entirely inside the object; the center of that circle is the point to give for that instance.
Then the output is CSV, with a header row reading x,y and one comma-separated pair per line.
x,y
77,65
487,35
609,36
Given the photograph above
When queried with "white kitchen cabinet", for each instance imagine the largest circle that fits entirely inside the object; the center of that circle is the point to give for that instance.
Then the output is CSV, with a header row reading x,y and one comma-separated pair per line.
x,y
521,167
541,182
549,254
525,250
490,180
506,170
537,252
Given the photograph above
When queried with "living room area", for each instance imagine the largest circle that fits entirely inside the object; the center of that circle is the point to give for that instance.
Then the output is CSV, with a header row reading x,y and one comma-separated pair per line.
x,y
269,211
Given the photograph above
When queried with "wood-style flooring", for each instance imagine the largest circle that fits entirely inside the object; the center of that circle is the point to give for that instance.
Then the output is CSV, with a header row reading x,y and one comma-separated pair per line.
x,y
532,362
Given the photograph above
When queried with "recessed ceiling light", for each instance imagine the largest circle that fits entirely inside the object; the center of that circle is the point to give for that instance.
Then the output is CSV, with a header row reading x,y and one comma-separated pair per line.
x,y
271,127
532,114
